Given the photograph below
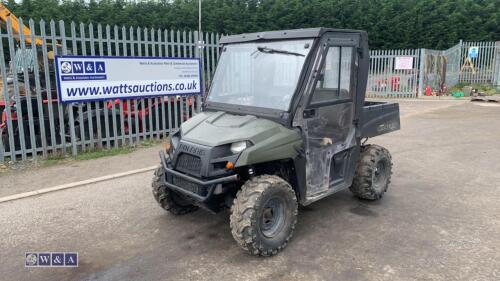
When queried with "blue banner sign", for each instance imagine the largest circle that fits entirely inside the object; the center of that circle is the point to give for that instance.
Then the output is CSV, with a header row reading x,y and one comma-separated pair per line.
x,y
84,78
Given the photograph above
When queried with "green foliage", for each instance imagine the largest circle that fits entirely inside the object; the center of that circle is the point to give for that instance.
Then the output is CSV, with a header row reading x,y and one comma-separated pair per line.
x,y
393,24
487,89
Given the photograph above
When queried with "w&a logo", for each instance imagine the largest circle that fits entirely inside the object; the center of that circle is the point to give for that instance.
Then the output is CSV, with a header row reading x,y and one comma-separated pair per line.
x,y
68,259
83,67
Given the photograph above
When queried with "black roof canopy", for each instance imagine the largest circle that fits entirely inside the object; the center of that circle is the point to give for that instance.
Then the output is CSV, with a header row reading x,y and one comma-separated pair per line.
x,y
282,34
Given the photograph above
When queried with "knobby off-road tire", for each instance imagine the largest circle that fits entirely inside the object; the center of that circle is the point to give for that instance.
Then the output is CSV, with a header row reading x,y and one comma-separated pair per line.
x,y
263,215
373,173
168,199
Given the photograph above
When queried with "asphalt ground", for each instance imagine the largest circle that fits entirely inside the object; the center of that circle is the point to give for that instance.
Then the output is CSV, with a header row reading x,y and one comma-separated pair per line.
x,y
438,221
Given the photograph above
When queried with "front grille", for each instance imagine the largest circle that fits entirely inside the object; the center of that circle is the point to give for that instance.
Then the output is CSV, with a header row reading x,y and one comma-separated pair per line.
x,y
187,185
189,163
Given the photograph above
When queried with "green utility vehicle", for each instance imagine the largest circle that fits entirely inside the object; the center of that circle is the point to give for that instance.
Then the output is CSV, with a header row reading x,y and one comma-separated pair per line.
x,y
284,124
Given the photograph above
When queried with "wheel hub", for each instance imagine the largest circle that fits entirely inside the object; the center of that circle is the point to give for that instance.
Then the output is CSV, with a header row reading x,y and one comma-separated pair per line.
x,y
272,217
379,174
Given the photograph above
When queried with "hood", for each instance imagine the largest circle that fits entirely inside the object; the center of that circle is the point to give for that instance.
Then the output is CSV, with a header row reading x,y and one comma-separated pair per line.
x,y
218,128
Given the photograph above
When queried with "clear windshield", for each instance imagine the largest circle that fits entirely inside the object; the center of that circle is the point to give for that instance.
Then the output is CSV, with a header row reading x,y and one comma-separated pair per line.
x,y
261,74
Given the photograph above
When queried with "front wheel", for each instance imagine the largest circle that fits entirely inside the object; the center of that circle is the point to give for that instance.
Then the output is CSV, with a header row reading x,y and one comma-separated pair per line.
x,y
168,199
263,215
373,173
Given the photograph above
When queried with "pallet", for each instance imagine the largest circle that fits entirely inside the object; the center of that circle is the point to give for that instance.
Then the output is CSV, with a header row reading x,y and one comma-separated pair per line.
x,y
495,98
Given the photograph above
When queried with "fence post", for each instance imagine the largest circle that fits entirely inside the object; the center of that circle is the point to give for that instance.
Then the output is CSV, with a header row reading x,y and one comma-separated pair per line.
x,y
460,56
421,67
16,93
69,107
197,54
7,109
496,69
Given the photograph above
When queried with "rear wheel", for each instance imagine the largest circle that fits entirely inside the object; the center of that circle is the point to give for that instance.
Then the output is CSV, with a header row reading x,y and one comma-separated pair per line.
x,y
168,199
373,173
263,215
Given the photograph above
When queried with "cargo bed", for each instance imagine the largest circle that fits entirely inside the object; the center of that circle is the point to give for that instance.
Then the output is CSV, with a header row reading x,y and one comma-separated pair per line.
x,y
379,118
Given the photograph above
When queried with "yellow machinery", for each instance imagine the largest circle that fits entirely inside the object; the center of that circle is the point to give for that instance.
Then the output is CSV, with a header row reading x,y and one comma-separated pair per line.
x,y
6,14
23,55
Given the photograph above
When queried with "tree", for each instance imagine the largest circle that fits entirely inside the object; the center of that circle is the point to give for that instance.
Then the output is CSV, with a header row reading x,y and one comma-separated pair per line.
x,y
435,24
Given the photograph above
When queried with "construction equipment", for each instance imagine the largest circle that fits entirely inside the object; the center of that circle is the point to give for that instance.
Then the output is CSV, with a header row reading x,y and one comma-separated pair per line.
x,y
23,62
6,14
284,124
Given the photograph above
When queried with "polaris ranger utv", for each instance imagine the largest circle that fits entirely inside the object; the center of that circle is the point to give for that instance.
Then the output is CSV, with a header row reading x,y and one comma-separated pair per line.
x,y
284,124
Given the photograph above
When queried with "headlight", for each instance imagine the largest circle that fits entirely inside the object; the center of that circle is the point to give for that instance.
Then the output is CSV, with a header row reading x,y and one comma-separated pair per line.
x,y
176,139
238,147
172,142
169,145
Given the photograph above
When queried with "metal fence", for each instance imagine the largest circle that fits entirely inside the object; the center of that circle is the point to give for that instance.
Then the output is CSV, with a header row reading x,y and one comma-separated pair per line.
x,y
386,80
34,122
439,70
481,68
432,71
496,68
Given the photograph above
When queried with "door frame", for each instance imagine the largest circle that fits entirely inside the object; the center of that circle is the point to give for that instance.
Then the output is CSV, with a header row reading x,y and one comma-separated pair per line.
x,y
331,39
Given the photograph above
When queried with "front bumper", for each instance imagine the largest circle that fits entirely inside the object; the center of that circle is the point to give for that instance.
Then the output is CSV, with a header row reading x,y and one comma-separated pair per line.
x,y
210,185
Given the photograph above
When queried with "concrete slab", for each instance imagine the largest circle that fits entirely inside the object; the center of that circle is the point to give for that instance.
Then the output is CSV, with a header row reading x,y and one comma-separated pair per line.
x,y
31,179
